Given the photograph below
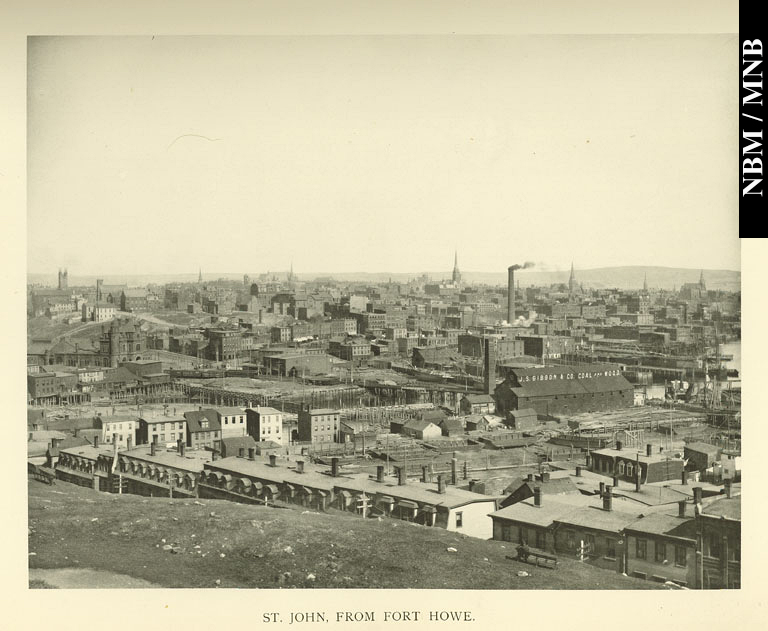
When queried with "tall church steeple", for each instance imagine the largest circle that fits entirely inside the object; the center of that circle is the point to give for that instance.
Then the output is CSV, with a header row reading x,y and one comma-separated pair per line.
x,y
645,282
200,276
572,280
701,281
456,276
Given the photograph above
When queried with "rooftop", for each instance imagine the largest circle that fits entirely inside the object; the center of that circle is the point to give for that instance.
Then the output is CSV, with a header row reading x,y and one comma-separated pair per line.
x,y
192,460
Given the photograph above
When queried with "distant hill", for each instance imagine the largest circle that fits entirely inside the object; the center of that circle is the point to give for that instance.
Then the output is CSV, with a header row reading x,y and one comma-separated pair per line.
x,y
627,277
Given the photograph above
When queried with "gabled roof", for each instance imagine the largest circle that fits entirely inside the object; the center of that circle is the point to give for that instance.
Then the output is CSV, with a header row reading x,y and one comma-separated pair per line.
x,y
478,398
194,419
418,425
704,448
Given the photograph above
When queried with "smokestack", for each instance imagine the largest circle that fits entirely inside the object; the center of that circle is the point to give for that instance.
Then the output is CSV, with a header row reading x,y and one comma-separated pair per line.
x,y
649,449
684,477
380,473
251,453
272,460
453,472
424,470
241,452
608,498
681,508
489,365
440,484
152,447
299,466
697,494
95,441
511,291
335,467
537,496
401,476
578,471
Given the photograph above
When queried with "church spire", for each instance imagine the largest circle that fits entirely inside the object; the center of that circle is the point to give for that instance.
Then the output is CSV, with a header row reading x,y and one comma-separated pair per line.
x,y
572,280
456,276
645,282
701,280
200,276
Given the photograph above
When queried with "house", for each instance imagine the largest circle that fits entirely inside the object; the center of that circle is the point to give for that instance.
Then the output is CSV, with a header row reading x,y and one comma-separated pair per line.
x,y
523,488
87,465
232,421
357,432
624,464
265,423
718,527
318,425
161,430
451,426
477,404
203,429
236,446
156,471
526,418
122,428
661,548
700,456
423,430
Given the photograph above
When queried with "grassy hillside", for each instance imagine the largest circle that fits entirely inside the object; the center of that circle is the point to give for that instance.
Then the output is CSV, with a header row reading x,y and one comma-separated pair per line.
x,y
253,546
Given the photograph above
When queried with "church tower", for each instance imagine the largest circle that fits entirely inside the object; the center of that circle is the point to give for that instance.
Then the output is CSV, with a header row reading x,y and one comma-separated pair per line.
x,y
456,276
702,286
63,280
572,281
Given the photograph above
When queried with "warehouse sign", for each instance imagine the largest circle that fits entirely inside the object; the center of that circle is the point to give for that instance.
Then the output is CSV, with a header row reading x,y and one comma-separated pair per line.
x,y
569,375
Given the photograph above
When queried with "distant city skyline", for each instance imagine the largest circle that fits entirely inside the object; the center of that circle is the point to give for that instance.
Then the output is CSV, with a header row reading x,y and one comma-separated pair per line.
x,y
148,155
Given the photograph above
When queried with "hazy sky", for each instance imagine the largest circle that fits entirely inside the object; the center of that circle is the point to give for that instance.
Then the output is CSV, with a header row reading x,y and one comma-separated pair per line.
x,y
372,154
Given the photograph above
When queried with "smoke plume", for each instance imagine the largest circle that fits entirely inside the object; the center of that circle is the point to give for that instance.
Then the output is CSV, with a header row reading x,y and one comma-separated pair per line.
x,y
525,265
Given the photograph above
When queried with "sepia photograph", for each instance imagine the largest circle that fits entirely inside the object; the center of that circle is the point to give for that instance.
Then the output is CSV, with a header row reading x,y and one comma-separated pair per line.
x,y
446,312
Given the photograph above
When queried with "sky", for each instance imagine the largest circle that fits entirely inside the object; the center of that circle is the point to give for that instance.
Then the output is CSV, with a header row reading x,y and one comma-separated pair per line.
x,y
381,153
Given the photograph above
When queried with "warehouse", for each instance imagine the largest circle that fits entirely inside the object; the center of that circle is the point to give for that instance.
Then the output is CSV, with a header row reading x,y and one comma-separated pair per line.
x,y
554,390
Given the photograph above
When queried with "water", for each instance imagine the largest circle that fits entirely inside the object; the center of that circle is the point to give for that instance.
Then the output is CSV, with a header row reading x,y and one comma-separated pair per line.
x,y
732,348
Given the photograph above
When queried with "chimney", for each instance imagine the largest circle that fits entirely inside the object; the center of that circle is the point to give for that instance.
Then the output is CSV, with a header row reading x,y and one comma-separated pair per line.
x,y
697,494
380,473
578,471
649,449
128,442
728,489
213,455
440,484
114,439
608,498
199,408
537,496
602,489
638,471
618,445
588,460
182,448
152,447
545,476
453,472
95,441
616,481
178,445
684,477
335,467
272,460
489,366
154,439
401,476
241,452
681,508
251,453
511,294
530,477
299,466
424,470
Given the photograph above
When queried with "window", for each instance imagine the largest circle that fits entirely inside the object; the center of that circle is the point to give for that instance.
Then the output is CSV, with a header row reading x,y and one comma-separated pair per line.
x,y
660,550
459,520
681,556
713,545
621,468
641,548
610,549
181,425
630,469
